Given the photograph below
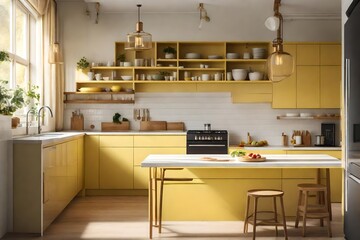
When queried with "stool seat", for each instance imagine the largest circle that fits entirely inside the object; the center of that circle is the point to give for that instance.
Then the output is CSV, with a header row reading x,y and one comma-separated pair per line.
x,y
311,186
319,211
265,193
255,219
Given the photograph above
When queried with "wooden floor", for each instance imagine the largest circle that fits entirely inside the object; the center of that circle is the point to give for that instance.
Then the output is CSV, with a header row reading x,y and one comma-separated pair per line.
x,y
110,218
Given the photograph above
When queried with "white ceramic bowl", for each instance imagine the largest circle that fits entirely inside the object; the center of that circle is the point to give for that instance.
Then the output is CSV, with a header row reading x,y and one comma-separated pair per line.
x,y
193,55
306,115
126,78
233,55
256,76
292,114
239,74
127,64
205,77
106,78
214,57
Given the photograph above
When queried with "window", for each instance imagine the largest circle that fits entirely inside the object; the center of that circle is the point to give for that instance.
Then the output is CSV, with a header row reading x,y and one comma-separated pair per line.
x,y
20,38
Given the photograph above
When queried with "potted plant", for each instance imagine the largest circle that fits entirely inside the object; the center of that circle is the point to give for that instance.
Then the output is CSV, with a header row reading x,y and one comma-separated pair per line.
x,y
4,56
121,58
82,63
169,52
165,75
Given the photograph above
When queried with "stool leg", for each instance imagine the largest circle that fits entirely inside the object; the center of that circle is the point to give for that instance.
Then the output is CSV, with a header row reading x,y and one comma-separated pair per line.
x,y
305,212
246,214
297,210
161,198
283,216
275,216
321,202
328,218
255,213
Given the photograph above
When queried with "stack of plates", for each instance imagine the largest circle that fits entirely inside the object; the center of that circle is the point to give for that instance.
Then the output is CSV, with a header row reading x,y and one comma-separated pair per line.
x,y
214,57
259,53
193,55
232,55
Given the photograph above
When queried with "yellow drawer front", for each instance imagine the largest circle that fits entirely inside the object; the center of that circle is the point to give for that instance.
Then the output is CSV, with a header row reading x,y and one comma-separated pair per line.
x,y
141,177
116,141
160,141
141,153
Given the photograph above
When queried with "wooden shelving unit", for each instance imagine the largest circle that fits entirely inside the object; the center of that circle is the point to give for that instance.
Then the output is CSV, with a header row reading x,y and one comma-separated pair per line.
x,y
92,97
309,118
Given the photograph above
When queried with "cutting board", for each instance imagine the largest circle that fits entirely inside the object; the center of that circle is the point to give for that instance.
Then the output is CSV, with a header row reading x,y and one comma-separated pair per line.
x,y
77,122
306,138
175,126
113,127
152,125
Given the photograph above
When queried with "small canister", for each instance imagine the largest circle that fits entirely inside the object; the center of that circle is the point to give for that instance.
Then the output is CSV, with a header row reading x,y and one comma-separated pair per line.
x,y
320,140
207,126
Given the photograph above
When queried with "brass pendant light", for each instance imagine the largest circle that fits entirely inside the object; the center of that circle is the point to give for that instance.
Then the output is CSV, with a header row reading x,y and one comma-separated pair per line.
x,y
280,63
138,40
55,55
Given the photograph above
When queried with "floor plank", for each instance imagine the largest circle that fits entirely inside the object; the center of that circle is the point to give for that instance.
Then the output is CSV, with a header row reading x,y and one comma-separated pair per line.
x,y
125,217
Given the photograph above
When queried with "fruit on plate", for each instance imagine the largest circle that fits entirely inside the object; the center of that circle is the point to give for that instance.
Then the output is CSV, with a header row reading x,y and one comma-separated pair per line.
x,y
237,153
253,155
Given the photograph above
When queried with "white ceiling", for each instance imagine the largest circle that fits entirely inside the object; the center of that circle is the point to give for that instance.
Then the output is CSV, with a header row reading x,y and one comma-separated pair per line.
x,y
332,7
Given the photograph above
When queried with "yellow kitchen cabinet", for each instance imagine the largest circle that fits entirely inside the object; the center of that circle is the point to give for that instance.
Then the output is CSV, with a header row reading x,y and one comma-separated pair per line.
x,y
145,145
45,178
160,141
80,166
212,199
335,173
308,87
141,175
330,55
307,55
116,141
284,92
116,168
72,167
91,162
330,86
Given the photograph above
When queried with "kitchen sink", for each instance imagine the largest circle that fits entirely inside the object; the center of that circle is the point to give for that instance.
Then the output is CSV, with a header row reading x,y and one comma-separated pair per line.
x,y
52,134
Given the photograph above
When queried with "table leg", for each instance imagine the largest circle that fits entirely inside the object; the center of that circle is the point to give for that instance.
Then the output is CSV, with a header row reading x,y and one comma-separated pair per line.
x,y
328,191
150,202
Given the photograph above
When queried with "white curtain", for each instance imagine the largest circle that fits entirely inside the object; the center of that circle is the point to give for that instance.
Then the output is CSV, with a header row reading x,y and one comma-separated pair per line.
x,y
53,87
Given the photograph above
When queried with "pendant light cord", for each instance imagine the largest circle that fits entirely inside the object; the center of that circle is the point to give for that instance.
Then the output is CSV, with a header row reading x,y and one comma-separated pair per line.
x,y
139,6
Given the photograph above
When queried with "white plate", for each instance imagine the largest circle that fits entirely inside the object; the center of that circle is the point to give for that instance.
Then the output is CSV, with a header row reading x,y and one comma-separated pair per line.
x,y
292,114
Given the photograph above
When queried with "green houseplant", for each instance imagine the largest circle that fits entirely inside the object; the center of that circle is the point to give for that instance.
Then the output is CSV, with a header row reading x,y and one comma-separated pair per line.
x,y
4,56
121,58
169,52
82,63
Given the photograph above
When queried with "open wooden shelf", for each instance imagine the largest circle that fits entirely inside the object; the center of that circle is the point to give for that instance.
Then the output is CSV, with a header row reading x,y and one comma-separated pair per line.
x,y
99,101
309,118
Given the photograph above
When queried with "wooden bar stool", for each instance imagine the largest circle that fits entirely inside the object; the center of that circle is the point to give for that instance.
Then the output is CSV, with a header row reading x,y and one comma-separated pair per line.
x,y
162,180
253,218
318,211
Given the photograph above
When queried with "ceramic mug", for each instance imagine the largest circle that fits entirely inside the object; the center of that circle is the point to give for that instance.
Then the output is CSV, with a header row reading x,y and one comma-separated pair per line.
x,y
98,76
298,140
90,75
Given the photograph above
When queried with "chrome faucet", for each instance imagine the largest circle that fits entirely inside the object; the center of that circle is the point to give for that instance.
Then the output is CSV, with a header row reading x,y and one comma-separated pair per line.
x,y
38,116
27,121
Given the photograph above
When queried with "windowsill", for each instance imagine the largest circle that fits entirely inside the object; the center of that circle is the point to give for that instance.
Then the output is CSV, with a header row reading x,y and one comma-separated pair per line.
x,y
20,131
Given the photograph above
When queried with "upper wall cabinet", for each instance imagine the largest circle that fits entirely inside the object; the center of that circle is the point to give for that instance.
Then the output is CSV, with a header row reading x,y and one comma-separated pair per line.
x,y
316,82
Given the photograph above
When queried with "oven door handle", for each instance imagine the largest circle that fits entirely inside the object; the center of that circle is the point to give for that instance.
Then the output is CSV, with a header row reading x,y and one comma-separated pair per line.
x,y
206,145
354,178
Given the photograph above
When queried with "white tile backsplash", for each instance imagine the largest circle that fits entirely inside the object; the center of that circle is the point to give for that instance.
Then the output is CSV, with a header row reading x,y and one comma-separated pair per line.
x,y
195,109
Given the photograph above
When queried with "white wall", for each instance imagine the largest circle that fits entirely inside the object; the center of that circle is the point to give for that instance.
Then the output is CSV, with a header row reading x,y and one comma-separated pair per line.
x,y
199,108
5,137
82,37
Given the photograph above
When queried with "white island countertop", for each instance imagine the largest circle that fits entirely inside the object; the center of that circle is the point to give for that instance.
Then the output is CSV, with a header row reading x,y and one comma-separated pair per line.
x,y
226,161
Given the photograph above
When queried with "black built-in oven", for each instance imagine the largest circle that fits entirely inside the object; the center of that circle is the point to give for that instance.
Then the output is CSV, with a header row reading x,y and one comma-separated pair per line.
x,y
207,142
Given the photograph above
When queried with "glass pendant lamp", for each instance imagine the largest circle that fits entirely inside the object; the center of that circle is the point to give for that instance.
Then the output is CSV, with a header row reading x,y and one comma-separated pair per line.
x,y
55,55
138,40
280,63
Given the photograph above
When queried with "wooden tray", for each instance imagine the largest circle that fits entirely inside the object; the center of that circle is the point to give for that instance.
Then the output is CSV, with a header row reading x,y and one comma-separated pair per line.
x,y
113,127
247,159
214,159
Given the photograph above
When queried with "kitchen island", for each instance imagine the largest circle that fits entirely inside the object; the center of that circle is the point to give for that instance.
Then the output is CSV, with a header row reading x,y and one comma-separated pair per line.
x,y
272,173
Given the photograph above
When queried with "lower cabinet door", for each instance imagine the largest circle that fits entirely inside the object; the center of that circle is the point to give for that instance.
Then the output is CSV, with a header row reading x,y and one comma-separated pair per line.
x,y
141,175
116,168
